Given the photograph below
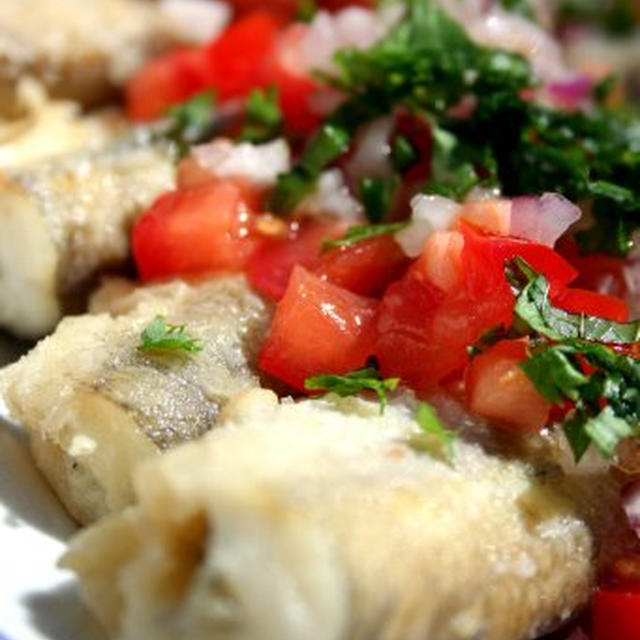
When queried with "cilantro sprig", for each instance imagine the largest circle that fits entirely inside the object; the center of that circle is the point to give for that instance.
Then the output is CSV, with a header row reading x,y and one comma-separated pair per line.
x,y
263,116
194,120
160,336
359,233
350,384
434,436
570,361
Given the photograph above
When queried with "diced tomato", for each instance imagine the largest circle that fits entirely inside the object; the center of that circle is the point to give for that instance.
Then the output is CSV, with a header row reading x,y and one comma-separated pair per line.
x,y
238,57
616,615
417,131
270,268
498,389
623,573
197,230
317,328
170,78
366,267
295,85
499,249
597,272
592,303
233,65
492,216
424,330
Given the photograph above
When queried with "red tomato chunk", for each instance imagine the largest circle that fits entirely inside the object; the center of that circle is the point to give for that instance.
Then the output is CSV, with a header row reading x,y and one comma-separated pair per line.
x,y
207,228
318,328
616,615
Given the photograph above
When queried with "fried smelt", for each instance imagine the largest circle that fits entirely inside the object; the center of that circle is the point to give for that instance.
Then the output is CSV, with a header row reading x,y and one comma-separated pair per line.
x,y
95,405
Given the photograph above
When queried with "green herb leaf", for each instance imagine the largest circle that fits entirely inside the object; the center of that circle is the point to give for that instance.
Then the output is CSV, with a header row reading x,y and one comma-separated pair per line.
x,y
329,143
263,116
160,336
353,383
307,10
403,154
376,195
194,120
534,308
360,233
434,436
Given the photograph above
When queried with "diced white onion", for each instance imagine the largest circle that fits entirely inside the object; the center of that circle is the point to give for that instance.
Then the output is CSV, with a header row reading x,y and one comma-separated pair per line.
x,y
631,504
197,21
429,214
542,219
258,163
371,151
331,197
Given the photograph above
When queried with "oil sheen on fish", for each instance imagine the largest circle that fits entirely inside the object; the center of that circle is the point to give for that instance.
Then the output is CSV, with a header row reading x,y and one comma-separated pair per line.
x,y
65,219
94,404
318,520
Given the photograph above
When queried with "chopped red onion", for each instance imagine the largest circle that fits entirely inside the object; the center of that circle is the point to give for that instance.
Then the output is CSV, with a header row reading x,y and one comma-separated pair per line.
x,y
631,273
572,91
542,219
631,504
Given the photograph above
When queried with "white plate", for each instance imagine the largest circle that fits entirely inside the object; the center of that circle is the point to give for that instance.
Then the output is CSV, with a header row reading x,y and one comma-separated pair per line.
x,y
37,600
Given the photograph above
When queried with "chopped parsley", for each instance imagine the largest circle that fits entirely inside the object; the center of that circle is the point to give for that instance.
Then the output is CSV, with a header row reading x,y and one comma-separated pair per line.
x,y
263,116
434,436
569,362
360,233
193,121
427,64
349,384
161,336
376,195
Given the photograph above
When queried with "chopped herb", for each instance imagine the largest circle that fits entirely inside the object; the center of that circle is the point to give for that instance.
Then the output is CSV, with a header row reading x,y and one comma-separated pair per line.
x,y
433,436
328,144
403,154
307,10
521,7
607,401
160,336
534,308
263,116
194,120
353,383
360,233
605,393
376,195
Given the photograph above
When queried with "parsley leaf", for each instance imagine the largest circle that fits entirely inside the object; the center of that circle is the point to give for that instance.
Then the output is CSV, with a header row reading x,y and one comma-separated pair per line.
x,y
353,383
376,195
194,120
607,400
360,233
161,336
534,308
263,116
327,145
434,436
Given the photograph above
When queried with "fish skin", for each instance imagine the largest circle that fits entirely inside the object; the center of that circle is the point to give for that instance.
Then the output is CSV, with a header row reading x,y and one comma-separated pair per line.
x,y
64,220
94,405
316,520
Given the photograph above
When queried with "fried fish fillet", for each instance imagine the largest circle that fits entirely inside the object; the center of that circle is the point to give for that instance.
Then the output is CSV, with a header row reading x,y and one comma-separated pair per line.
x,y
94,404
319,521
65,219
82,49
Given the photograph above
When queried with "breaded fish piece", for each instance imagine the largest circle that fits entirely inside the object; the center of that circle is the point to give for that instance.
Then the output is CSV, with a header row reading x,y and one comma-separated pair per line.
x,y
317,520
65,219
95,405
83,49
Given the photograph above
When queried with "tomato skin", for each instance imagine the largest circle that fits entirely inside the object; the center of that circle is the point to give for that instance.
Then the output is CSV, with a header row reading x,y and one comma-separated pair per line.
x,y
366,267
317,328
498,249
270,267
192,231
498,389
592,303
616,615
238,56
424,330
166,80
